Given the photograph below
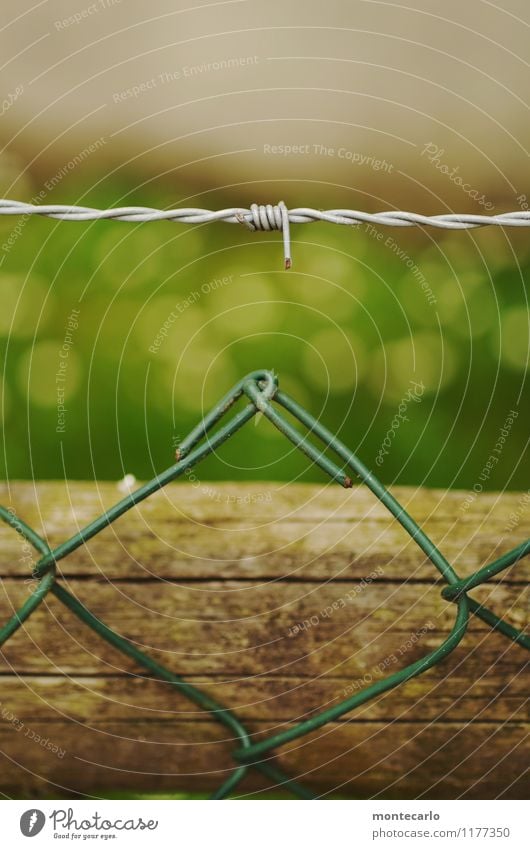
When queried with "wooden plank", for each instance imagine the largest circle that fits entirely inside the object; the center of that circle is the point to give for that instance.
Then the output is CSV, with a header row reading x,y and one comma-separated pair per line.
x,y
249,631
427,760
446,694
279,601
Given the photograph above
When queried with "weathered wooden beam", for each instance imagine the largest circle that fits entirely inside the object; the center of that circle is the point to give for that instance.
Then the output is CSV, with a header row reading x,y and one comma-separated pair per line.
x,y
278,601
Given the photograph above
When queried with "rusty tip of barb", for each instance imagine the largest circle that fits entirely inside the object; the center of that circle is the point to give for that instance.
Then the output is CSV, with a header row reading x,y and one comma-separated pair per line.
x,y
288,263
347,483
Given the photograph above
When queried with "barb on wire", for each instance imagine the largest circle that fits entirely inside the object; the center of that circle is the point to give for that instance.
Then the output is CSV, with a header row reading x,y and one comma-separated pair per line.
x,y
268,217
262,395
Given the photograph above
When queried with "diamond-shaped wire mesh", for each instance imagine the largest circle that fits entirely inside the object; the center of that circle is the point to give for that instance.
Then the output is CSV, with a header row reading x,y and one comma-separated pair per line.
x,y
260,390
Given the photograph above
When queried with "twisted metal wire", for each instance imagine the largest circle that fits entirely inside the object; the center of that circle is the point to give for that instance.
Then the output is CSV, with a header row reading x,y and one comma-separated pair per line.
x,y
260,389
268,217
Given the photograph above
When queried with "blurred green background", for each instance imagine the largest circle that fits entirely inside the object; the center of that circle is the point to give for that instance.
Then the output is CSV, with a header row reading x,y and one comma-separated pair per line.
x,y
348,330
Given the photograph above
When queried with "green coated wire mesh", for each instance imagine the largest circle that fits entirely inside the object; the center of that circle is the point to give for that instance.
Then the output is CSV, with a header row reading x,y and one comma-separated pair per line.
x,y
261,393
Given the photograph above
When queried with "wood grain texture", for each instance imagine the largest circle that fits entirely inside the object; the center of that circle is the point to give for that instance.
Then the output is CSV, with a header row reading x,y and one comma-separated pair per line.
x,y
280,601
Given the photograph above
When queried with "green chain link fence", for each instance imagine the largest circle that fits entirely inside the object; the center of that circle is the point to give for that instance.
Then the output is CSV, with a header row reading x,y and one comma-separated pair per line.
x,y
260,389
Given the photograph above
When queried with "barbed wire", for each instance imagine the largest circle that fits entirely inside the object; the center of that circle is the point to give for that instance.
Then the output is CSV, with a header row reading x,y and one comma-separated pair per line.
x,y
261,394
268,217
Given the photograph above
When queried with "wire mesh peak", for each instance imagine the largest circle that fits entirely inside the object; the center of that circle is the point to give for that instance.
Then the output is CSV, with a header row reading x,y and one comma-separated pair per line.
x,y
261,393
